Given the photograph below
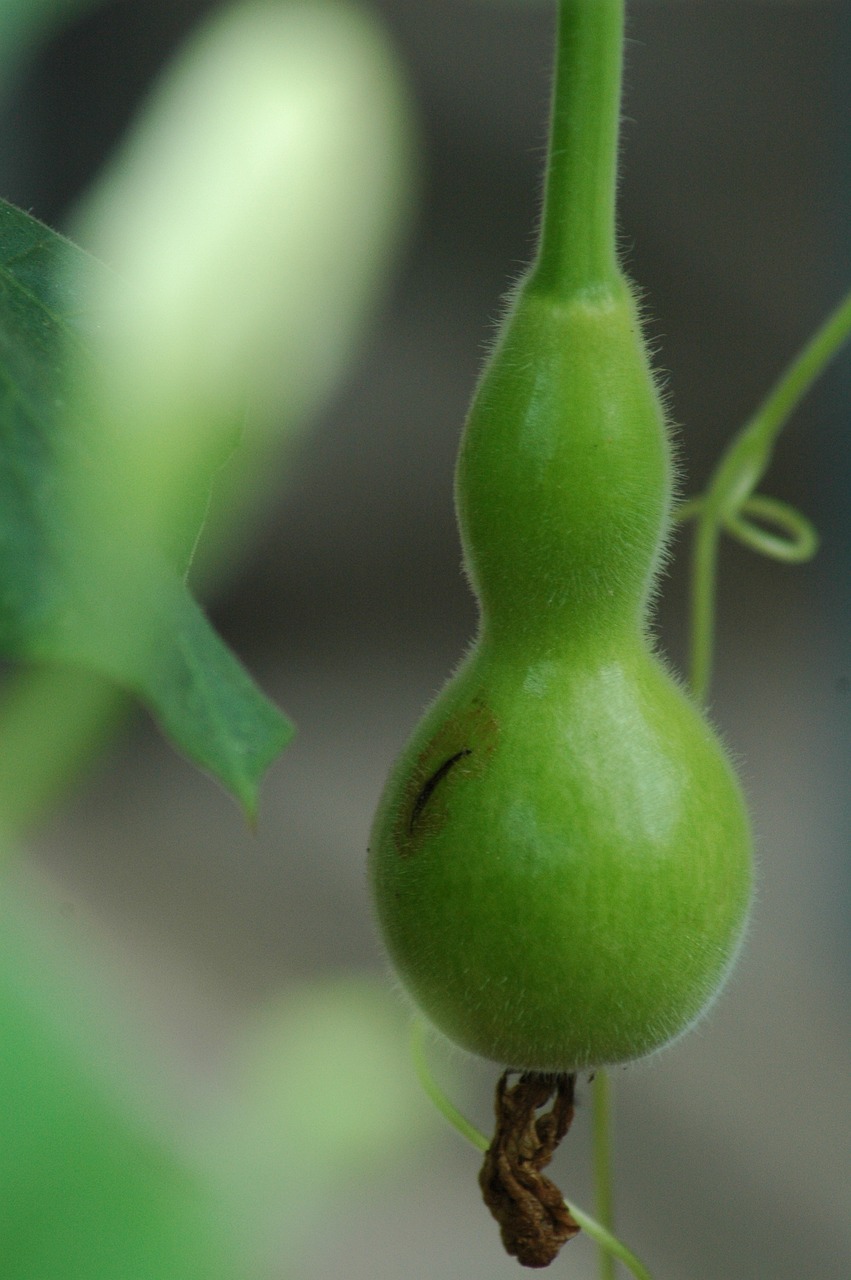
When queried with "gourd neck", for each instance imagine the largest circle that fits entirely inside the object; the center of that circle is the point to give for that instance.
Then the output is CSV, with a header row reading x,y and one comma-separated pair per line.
x,y
563,485
578,640
577,247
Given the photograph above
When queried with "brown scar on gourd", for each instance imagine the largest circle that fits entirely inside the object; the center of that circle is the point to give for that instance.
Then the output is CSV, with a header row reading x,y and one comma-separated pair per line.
x,y
462,745
533,1218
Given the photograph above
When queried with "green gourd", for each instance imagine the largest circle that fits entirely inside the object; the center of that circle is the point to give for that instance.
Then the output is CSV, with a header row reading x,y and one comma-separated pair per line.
x,y
561,858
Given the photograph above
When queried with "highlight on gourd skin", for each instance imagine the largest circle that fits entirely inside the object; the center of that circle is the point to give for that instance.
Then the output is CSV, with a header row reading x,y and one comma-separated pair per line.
x,y
561,857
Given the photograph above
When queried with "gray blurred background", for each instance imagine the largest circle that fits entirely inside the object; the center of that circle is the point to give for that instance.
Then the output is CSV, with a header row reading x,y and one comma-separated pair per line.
x,y
733,1151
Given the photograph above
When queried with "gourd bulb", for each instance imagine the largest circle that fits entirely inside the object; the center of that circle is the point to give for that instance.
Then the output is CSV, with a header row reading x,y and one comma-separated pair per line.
x,y
561,859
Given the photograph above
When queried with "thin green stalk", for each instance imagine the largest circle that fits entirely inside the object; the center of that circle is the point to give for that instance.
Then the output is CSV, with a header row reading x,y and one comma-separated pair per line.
x,y
730,502
603,1179
599,1232
577,246
704,573
608,1243
787,393
435,1094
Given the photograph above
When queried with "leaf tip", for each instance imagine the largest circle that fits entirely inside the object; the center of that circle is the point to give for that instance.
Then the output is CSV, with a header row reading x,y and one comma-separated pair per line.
x,y
245,787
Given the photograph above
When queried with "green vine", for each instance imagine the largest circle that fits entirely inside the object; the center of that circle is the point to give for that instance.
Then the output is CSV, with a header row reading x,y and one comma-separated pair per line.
x,y
728,505
610,1246
731,505
577,255
604,1186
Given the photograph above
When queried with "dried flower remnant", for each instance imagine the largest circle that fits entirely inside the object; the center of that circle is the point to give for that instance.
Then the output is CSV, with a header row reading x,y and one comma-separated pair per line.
x,y
534,1220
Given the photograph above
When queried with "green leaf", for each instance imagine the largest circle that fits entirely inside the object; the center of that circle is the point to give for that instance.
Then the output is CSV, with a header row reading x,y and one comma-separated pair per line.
x,y
93,1185
204,699
23,23
253,212
300,1131
84,575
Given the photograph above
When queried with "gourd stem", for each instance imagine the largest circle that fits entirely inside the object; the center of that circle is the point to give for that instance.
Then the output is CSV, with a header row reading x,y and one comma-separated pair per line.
x,y
577,243
598,1231
576,254
603,1180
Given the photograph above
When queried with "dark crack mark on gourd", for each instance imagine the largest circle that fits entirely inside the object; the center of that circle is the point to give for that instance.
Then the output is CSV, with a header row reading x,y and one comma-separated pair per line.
x,y
429,785
461,746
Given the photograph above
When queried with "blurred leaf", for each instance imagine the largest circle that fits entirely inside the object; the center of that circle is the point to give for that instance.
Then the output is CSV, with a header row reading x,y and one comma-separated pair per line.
x,y
52,721
89,1189
23,22
254,212
327,1096
20,14
102,1178
251,217
207,703
81,580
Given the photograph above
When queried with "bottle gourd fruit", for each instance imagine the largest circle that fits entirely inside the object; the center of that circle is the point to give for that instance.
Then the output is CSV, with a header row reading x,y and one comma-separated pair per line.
x,y
561,858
